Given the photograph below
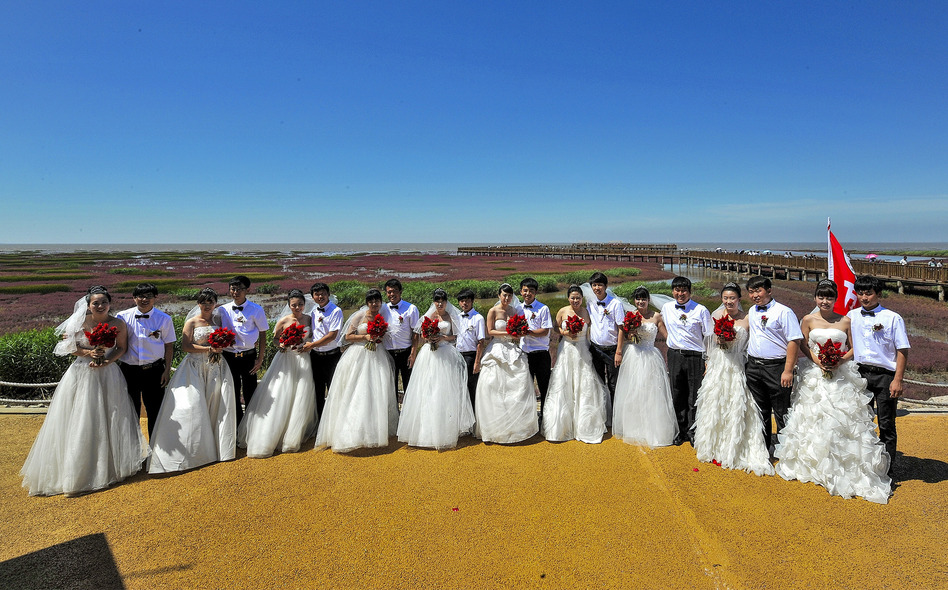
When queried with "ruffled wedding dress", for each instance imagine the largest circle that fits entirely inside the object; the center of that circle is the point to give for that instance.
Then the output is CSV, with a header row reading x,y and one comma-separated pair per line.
x,y
830,438
282,412
361,408
728,427
644,413
505,404
576,401
197,423
437,408
91,437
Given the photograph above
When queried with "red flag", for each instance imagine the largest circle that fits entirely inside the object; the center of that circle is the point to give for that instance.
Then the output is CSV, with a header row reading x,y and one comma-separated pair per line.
x,y
841,272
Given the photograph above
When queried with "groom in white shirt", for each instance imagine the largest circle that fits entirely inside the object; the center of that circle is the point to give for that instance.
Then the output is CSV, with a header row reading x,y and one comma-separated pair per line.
x,y
606,314
536,343
249,323
325,351
399,340
470,342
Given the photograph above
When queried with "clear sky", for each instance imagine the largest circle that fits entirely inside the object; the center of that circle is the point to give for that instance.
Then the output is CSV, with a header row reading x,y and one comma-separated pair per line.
x,y
487,122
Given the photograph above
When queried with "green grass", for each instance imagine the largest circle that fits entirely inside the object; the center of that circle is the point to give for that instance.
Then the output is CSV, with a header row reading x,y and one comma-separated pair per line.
x,y
162,284
253,276
42,289
27,357
141,271
43,277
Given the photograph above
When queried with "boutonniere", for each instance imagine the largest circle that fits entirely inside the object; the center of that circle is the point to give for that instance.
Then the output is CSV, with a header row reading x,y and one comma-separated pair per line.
x,y
533,316
320,319
400,318
156,334
763,321
878,328
605,311
683,318
240,319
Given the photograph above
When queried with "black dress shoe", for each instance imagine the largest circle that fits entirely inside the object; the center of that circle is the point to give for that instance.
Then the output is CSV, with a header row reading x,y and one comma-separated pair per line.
x,y
678,441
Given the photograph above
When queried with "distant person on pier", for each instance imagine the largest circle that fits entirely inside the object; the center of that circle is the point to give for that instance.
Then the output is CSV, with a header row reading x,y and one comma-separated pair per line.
x,y
772,348
880,348
931,263
399,340
537,341
606,314
245,357
904,261
325,349
688,324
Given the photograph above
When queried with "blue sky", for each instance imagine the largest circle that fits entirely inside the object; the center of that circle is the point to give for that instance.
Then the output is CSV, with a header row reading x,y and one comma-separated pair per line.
x,y
483,122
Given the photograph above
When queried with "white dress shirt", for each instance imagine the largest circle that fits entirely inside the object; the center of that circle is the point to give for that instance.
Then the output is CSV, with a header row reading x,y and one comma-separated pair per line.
x,y
400,323
605,320
769,339
538,318
324,322
472,330
877,338
687,327
247,323
147,336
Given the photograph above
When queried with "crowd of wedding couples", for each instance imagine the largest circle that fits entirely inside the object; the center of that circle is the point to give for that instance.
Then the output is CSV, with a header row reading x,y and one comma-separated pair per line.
x,y
727,374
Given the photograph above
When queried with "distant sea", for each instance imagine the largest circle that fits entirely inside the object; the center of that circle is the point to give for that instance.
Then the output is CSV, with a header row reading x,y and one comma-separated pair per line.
x,y
853,248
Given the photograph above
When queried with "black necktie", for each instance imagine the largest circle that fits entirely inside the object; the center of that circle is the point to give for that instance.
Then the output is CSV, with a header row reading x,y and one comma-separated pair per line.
x,y
602,303
871,314
139,317
761,308
320,309
238,308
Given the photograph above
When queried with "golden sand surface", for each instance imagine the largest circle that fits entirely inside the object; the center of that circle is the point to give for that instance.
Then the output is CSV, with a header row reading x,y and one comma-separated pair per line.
x,y
533,515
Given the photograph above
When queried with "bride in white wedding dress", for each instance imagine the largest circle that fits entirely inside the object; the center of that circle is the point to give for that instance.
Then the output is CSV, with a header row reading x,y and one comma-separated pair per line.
x,y
830,438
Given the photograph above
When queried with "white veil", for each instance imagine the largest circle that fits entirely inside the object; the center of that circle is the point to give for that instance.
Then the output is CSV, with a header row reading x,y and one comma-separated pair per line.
x,y
355,318
69,329
453,312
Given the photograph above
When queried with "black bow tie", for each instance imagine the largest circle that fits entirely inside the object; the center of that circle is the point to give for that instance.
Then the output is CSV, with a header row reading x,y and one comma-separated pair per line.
x,y
680,306
871,314
139,317
529,306
320,309
238,308
464,315
393,306
602,303
761,308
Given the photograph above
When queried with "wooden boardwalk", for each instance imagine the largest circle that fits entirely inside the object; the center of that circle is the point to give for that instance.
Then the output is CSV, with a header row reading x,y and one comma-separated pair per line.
x,y
772,265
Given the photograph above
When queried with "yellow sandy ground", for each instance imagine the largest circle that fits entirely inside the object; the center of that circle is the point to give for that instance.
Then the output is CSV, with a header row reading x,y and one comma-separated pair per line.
x,y
535,515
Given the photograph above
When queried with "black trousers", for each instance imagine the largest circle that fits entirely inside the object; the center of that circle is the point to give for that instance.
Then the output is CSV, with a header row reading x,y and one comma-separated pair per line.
x,y
604,362
324,367
400,360
878,382
144,386
685,374
244,381
763,381
541,365
469,358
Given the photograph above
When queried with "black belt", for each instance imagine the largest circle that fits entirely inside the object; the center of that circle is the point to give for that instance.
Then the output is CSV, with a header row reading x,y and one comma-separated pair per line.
x,y
767,362
242,354
875,370
399,350
604,348
152,365
325,352
686,352
469,353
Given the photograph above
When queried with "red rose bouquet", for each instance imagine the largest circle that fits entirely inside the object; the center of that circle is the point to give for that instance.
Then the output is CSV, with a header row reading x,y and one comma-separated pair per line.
x,y
724,330
829,355
430,328
631,325
377,328
292,336
574,324
102,336
517,326
220,338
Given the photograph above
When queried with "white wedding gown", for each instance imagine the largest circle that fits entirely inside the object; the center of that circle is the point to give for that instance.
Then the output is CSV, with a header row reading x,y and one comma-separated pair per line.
x,y
197,423
361,408
91,437
728,426
830,438
282,412
644,413
505,406
576,401
437,408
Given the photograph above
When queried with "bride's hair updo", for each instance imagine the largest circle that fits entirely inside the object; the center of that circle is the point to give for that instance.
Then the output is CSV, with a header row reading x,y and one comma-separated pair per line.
x,y
207,294
373,295
295,294
826,288
98,290
574,288
439,295
731,287
505,288
641,293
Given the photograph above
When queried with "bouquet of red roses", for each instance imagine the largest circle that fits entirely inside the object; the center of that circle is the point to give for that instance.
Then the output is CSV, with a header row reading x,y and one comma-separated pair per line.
x,y
102,336
631,325
829,355
429,328
377,328
292,336
724,330
574,324
517,326
220,338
